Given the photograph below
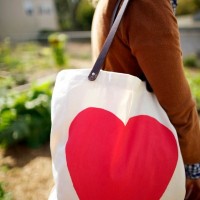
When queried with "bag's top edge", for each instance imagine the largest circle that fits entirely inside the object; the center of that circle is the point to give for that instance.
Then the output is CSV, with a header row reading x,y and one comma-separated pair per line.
x,y
86,72
104,77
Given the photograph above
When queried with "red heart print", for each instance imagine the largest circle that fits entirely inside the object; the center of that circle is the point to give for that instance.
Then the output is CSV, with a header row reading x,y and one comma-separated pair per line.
x,y
108,160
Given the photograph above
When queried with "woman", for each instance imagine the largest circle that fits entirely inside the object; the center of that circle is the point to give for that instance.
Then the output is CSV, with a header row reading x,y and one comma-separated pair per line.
x,y
147,45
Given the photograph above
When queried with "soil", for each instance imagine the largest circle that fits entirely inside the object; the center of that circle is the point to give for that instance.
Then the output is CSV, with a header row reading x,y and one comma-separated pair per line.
x,y
26,172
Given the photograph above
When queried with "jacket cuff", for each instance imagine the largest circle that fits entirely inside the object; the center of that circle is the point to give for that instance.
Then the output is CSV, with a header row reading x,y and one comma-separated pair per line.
x,y
192,171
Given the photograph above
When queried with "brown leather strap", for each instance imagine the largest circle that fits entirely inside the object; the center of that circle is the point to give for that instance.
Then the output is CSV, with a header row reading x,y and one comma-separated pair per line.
x,y
101,58
114,15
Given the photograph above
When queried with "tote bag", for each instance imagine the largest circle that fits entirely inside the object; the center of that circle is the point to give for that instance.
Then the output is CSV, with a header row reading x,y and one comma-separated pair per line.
x,y
111,139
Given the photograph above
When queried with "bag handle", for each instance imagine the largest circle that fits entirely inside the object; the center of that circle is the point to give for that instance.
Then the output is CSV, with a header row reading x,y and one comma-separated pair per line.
x,y
101,58
114,15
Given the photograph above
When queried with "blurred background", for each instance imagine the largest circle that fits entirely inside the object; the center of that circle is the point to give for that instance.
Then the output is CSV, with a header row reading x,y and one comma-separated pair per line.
x,y
37,39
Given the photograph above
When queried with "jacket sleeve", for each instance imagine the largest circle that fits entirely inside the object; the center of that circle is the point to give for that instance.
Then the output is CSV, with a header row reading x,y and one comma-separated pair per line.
x,y
150,29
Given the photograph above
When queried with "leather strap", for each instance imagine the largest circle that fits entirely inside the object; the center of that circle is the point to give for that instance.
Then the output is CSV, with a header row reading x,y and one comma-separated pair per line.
x,y
114,15
101,58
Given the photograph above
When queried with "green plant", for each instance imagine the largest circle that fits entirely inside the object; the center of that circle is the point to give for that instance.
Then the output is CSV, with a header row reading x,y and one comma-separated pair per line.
x,y
7,60
194,82
191,61
84,14
3,194
26,117
22,62
66,10
5,48
57,42
187,7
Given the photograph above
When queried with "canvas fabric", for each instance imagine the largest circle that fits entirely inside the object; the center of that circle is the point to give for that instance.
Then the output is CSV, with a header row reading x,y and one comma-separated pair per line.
x,y
111,140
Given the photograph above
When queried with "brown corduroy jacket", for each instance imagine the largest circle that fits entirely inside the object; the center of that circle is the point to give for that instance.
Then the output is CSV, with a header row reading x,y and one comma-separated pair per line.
x,y
147,45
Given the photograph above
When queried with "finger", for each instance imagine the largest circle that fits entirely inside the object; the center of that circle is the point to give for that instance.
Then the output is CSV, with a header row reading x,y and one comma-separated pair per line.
x,y
189,190
193,192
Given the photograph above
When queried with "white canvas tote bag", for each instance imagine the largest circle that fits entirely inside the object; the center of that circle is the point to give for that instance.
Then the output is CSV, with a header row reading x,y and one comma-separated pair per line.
x,y
111,139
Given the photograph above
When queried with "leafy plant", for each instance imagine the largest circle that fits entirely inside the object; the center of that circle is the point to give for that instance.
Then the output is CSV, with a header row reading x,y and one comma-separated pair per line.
x,y
3,194
6,58
66,10
191,61
194,82
57,42
84,14
26,117
187,7
22,62
74,15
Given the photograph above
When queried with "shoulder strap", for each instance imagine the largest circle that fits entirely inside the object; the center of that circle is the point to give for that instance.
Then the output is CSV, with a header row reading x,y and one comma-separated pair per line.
x,y
114,15
101,58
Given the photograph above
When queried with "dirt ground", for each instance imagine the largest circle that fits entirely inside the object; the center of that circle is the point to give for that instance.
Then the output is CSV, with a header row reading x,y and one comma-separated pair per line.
x,y
26,172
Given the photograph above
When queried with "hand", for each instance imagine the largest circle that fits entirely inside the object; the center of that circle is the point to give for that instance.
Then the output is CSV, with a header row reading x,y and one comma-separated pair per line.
x,y
192,189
